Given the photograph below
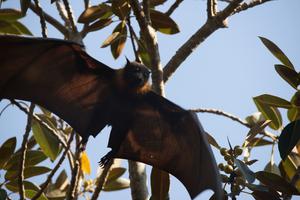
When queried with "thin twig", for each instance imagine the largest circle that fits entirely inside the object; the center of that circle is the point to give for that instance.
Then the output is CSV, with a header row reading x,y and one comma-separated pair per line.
x,y
70,15
23,152
54,170
42,18
146,5
63,14
173,7
209,9
101,180
220,112
61,28
245,6
131,31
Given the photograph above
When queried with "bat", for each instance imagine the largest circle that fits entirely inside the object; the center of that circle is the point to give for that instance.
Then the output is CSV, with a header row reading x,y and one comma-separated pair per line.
x,y
89,95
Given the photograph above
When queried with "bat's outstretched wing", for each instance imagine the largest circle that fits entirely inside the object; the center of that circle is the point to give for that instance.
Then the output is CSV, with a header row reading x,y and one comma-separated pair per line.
x,y
58,75
170,138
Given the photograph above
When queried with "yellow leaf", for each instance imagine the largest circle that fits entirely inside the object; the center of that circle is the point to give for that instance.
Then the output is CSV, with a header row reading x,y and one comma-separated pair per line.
x,y
85,163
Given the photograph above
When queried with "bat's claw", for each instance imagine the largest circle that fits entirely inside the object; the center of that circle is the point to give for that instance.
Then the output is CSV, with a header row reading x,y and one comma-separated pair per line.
x,y
106,159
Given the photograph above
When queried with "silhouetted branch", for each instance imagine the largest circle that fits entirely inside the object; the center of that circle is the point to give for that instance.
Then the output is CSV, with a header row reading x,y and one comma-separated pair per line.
x,y
173,7
70,15
42,18
245,6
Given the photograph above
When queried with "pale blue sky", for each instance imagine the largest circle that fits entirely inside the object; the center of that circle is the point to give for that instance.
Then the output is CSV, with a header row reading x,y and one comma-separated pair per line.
x,y
225,72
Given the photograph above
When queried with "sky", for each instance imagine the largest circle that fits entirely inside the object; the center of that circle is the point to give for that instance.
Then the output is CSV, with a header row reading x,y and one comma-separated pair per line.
x,y
224,72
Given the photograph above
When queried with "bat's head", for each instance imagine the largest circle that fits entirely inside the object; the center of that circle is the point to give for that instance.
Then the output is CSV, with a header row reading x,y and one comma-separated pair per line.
x,y
136,75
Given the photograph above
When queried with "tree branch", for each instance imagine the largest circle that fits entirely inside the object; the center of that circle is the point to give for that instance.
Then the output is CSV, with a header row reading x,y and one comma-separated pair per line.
x,y
173,7
137,172
101,180
23,152
245,6
54,170
70,16
50,20
42,18
146,5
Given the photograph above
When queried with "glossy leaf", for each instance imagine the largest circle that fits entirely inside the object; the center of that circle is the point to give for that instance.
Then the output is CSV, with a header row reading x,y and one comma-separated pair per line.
x,y
288,138
8,14
47,141
289,75
273,101
6,151
93,13
117,184
212,141
270,113
24,6
256,129
32,158
261,195
160,185
14,186
120,8
163,23
85,163
13,27
110,39
293,113
28,172
118,44
275,182
100,24
255,142
115,173
289,169
247,173
276,51
30,193
272,168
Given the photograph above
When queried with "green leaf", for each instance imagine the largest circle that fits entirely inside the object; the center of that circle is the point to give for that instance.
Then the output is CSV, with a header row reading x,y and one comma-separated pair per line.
x,y
256,129
275,182
115,173
30,193
117,184
62,181
255,118
160,185
110,39
100,24
144,54
48,142
93,13
212,141
8,14
32,158
247,173
293,114
118,44
289,169
163,23
3,194
14,186
270,113
273,101
120,8
13,27
261,195
24,6
289,75
272,168
288,138
276,51
6,151
256,142
28,172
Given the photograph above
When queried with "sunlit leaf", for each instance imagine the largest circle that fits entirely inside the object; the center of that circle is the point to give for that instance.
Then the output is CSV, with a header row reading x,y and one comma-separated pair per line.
x,y
32,158
163,23
120,8
143,53
6,151
251,162
28,172
85,163
273,101
270,113
289,168
272,168
289,75
255,142
255,118
117,184
47,141
8,14
14,186
212,141
256,129
118,44
115,173
276,51
294,113
30,193
95,12
13,27
247,173
288,138
100,24
110,39
62,181
275,182
160,185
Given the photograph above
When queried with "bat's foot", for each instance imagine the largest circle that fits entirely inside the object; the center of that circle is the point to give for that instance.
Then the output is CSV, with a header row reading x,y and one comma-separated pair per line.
x,y
106,159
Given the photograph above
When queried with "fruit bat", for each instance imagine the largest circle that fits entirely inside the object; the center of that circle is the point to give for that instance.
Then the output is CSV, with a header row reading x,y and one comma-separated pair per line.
x,y
60,76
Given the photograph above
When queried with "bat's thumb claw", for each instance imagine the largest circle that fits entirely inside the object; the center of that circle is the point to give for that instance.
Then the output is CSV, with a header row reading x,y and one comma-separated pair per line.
x,y
106,159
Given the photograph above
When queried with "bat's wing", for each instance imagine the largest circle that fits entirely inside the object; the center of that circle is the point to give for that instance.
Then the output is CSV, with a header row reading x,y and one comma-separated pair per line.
x,y
172,139
59,76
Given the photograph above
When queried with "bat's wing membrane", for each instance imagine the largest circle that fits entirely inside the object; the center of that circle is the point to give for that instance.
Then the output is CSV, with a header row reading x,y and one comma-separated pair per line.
x,y
59,76
172,139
